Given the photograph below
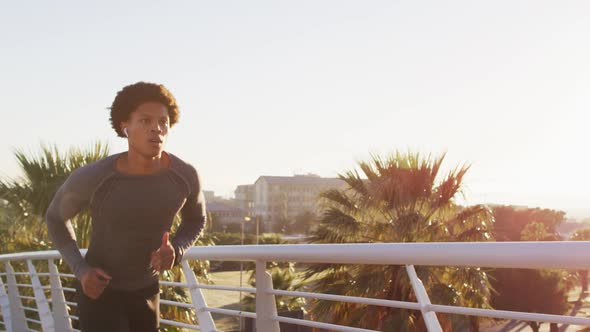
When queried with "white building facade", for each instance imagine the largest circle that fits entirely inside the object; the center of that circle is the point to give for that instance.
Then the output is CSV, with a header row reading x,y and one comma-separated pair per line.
x,y
279,197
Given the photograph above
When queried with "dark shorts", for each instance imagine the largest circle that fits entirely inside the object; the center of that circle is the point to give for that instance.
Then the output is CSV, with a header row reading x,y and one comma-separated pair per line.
x,y
120,311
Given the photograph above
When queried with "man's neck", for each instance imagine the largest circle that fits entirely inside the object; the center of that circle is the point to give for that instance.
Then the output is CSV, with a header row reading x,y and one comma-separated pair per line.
x,y
135,163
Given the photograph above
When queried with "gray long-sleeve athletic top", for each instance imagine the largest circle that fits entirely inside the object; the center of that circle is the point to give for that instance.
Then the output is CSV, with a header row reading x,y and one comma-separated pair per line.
x,y
130,214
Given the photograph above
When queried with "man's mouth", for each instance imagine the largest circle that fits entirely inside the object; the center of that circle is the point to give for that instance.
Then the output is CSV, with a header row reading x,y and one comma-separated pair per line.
x,y
156,141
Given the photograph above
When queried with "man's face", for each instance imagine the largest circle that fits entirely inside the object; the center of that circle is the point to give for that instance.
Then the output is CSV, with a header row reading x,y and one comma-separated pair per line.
x,y
147,129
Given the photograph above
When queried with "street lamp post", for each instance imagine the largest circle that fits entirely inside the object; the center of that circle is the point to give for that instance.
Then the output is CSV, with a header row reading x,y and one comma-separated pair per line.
x,y
241,272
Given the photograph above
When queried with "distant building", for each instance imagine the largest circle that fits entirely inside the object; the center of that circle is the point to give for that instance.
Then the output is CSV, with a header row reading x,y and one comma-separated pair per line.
x,y
210,196
278,197
224,215
244,196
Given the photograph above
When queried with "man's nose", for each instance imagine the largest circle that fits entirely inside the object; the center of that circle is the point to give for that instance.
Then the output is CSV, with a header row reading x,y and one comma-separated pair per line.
x,y
158,128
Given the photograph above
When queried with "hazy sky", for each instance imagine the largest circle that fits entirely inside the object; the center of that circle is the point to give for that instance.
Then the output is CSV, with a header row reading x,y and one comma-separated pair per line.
x,y
285,87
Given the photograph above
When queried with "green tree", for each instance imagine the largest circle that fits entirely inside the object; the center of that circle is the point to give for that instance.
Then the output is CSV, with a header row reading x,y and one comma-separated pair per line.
x,y
30,195
530,290
582,235
402,198
8,219
534,231
527,290
511,221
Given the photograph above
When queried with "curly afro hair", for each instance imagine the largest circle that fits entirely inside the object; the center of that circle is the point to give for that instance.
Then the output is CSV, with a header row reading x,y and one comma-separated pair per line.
x,y
131,96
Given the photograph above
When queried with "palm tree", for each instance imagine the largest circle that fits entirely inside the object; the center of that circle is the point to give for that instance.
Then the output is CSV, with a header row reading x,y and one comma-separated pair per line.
x,y
402,198
29,196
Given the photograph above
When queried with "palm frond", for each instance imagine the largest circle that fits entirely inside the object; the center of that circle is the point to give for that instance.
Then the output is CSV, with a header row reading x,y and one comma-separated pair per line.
x,y
400,199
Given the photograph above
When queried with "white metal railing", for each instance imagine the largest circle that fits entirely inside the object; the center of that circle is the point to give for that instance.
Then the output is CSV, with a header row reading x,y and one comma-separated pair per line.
x,y
53,314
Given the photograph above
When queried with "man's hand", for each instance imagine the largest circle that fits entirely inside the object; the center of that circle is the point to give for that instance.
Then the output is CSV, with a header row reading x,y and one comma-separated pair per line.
x,y
94,282
163,258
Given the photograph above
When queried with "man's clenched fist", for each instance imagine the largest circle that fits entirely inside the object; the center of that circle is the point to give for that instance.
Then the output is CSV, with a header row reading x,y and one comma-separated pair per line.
x,y
94,282
163,258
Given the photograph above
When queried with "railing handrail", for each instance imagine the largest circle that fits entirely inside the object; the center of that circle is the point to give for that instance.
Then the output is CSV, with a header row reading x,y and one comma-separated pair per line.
x,y
34,255
534,255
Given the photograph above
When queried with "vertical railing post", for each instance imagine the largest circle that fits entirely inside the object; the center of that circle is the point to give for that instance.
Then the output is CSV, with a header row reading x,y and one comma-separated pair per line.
x,y
42,304
5,307
61,322
17,313
430,318
206,323
266,306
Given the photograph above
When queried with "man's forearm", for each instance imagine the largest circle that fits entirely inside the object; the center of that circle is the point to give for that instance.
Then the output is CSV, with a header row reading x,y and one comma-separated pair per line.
x,y
186,235
71,254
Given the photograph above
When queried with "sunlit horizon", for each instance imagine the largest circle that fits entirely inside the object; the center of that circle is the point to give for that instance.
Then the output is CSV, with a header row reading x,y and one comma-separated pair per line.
x,y
269,88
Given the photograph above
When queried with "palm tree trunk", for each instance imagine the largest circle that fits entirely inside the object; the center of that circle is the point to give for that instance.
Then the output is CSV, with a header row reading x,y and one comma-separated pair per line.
x,y
584,277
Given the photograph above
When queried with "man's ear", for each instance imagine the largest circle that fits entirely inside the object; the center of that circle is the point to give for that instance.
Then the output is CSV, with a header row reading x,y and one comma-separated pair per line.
x,y
124,129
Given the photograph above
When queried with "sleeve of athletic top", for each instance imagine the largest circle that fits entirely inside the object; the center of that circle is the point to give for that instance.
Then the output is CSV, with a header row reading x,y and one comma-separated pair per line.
x,y
193,216
69,200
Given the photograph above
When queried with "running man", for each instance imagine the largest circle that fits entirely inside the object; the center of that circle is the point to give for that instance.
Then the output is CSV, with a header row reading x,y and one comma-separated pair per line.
x,y
133,198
